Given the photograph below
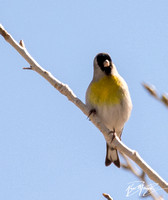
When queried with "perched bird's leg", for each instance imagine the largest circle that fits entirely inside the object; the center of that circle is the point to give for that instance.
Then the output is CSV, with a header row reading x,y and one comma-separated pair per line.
x,y
113,134
92,111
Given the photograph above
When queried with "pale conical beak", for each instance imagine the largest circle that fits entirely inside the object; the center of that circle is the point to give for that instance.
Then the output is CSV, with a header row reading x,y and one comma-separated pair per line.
x,y
106,63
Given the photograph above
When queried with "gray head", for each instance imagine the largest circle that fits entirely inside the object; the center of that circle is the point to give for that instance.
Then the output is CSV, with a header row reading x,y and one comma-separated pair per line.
x,y
103,66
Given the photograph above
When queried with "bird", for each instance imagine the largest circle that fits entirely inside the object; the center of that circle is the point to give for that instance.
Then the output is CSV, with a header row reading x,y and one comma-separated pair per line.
x,y
108,97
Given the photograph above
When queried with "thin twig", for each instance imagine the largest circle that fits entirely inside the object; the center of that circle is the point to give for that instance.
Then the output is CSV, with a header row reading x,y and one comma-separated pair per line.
x,y
107,196
152,91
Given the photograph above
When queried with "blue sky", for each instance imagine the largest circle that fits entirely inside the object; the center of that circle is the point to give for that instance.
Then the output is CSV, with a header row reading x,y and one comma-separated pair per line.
x,y
48,149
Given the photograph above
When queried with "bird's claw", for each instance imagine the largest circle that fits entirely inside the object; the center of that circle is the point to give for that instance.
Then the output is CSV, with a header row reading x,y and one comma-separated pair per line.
x,y
92,111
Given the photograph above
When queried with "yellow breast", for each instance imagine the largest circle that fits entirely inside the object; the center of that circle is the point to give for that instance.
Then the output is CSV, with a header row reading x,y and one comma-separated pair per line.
x,y
108,90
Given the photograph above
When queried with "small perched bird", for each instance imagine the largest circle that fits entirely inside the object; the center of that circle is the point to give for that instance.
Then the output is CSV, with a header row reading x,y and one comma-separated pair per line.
x,y
108,96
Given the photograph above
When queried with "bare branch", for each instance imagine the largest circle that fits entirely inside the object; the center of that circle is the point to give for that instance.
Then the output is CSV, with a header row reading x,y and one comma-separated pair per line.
x,y
152,91
29,68
65,90
107,196
164,99
22,43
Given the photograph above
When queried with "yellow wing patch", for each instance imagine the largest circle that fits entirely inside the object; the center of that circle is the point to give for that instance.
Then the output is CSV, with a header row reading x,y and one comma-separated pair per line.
x,y
108,90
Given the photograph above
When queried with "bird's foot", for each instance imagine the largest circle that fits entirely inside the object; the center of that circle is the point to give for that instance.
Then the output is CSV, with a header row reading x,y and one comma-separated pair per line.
x,y
113,133
92,112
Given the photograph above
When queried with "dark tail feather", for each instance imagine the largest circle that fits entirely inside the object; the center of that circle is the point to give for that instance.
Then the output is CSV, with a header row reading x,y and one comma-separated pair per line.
x,y
112,157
